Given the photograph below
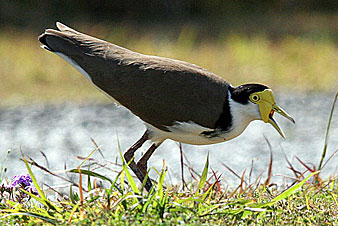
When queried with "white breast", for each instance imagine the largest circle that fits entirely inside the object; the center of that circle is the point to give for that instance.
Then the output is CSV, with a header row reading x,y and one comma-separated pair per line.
x,y
184,132
190,132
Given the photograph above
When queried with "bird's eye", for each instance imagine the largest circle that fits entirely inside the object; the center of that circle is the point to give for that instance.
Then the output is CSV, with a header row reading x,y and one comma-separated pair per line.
x,y
255,97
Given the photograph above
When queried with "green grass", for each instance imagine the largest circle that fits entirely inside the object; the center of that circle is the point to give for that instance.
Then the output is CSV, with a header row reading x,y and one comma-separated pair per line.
x,y
202,202
296,63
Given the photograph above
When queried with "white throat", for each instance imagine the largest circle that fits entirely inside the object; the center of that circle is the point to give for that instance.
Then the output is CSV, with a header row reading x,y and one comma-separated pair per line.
x,y
242,115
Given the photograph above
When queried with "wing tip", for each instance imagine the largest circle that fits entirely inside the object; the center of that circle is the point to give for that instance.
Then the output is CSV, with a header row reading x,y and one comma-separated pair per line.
x,y
63,27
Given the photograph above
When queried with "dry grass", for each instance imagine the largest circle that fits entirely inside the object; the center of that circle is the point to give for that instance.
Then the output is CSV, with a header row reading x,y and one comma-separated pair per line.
x,y
31,74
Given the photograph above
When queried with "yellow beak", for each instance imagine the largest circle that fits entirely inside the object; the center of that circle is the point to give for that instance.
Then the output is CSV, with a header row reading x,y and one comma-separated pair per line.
x,y
267,107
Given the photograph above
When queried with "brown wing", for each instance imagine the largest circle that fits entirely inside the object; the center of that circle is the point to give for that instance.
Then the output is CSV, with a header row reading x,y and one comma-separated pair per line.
x,y
158,90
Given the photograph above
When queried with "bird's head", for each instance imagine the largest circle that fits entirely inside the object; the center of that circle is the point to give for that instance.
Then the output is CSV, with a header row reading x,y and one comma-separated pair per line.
x,y
263,97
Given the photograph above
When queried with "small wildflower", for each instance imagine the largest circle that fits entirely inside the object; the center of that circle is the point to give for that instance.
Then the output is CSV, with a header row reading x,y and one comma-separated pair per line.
x,y
19,182
22,181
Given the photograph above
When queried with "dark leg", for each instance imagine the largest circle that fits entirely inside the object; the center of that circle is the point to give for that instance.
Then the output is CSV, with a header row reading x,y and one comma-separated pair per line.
x,y
142,163
129,155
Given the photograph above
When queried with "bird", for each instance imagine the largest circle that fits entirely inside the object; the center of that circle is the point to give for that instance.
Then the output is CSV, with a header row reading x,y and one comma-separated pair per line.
x,y
175,99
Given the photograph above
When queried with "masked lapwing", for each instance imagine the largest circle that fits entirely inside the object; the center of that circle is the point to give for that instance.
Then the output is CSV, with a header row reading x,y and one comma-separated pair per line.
x,y
176,100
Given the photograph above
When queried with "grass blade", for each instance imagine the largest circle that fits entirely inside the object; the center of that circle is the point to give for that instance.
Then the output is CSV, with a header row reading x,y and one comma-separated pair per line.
x,y
294,188
160,184
130,179
42,195
40,192
203,177
327,132
286,193
91,173
72,213
35,215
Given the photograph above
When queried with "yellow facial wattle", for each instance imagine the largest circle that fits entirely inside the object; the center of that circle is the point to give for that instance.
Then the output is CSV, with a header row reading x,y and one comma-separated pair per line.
x,y
267,106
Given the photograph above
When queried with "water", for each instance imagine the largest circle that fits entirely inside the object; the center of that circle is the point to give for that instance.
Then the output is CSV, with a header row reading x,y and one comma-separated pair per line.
x,y
63,132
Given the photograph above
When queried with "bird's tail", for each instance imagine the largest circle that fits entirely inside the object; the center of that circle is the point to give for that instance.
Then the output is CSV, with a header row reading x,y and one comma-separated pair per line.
x,y
67,41
74,47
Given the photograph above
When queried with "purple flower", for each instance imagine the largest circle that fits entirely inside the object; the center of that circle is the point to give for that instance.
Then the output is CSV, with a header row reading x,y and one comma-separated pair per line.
x,y
21,181
16,186
25,182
